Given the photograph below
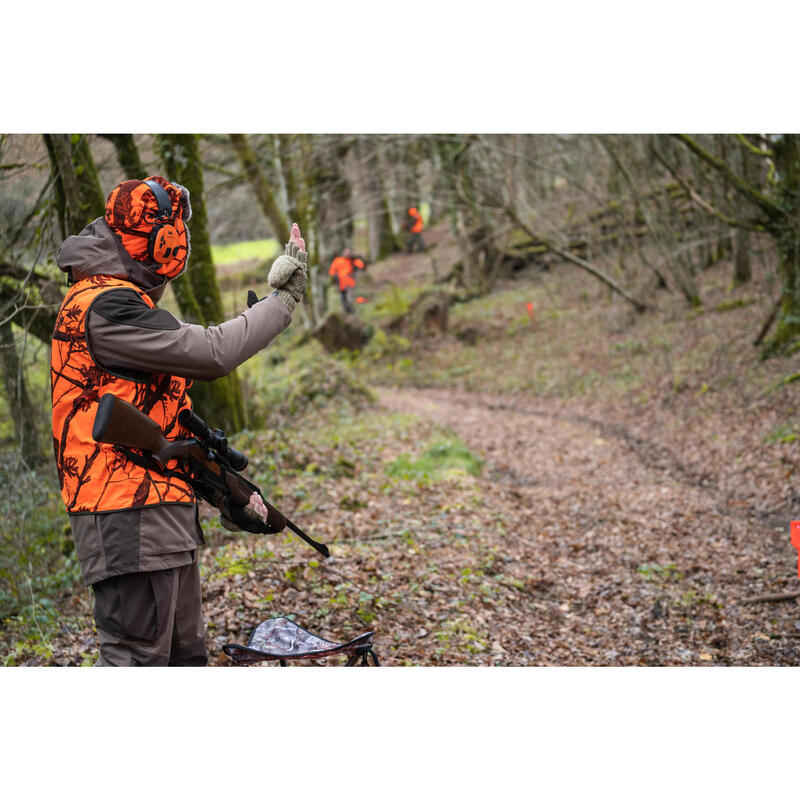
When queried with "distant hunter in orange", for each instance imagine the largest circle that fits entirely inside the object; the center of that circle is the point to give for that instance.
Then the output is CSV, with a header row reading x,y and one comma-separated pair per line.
x,y
414,227
342,270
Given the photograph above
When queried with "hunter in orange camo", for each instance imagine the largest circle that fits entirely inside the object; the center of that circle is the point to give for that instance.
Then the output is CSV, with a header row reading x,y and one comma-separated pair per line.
x,y
96,477
415,223
131,210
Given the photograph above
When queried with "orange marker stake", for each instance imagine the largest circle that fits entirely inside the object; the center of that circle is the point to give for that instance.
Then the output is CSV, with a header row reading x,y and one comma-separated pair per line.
x,y
361,299
795,529
529,308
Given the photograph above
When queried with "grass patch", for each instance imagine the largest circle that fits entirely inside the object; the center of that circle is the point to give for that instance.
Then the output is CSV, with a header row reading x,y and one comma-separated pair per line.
x,y
783,433
392,302
631,346
261,249
445,459
352,430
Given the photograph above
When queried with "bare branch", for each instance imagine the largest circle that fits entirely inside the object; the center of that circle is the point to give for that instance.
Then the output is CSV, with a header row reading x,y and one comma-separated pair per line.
x,y
565,254
750,225
772,210
771,598
751,148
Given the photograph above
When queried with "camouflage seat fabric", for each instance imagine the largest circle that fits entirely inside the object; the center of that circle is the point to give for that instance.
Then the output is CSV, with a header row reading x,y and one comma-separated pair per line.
x,y
281,639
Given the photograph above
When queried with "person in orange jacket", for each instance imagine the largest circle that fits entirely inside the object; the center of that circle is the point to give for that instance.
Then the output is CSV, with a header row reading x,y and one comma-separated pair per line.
x,y
414,227
135,527
343,269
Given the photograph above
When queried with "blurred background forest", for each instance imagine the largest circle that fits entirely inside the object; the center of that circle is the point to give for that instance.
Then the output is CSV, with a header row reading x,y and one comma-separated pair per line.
x,y
566,432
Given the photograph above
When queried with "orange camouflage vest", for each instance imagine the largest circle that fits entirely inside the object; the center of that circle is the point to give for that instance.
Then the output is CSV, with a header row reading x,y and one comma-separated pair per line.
x,y
342,268
416,226
96,477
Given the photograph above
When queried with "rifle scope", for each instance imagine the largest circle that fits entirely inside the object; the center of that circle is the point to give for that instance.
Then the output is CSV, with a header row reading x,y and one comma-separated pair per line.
x,y
214,439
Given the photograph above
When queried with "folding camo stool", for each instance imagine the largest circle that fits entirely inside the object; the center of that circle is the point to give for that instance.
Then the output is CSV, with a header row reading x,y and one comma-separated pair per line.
x,y
280,639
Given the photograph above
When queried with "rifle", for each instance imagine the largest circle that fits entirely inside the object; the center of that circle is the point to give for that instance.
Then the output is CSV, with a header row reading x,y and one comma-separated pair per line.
x,y
211,466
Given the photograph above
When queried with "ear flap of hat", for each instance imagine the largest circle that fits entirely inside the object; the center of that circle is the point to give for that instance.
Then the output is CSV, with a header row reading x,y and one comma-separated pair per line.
x,y
185,204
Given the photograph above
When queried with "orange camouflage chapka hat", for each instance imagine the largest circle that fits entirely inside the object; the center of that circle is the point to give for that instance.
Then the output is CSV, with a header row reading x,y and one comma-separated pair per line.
x,y
150,222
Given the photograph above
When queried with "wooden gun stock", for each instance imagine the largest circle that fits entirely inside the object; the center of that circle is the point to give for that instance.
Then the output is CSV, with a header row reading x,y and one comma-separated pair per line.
x,y
121,423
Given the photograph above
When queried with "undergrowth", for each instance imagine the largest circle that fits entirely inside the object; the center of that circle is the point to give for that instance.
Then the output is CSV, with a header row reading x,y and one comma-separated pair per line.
x,y
37,559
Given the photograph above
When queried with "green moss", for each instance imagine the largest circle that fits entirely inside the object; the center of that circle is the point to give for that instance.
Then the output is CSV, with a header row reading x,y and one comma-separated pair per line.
x,y
632,346
729,305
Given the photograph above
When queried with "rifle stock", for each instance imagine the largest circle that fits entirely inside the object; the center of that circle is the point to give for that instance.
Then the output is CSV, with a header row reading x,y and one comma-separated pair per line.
x,y
121,423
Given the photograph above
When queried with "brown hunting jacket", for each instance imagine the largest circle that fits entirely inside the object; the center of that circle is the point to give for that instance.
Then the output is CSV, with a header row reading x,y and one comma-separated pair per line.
x,y
126,336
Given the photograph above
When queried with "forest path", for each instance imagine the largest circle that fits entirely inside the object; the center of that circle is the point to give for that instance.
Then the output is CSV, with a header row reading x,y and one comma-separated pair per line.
x,y
623,555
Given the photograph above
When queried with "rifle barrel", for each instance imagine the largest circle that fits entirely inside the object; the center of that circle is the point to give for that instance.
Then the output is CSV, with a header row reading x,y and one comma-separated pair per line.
x,y
318,546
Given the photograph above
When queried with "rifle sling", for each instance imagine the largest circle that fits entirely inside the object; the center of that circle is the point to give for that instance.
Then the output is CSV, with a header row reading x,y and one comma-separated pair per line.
x,y
148,462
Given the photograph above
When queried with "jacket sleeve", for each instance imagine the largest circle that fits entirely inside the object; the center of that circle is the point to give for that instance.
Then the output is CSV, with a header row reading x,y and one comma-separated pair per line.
x,y
122,331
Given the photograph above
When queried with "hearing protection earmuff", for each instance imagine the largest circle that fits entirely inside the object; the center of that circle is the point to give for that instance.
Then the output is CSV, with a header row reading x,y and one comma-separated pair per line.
x,y
164,238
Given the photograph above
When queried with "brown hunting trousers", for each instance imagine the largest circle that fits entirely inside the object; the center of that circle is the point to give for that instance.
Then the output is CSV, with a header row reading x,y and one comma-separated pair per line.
x,y
151,619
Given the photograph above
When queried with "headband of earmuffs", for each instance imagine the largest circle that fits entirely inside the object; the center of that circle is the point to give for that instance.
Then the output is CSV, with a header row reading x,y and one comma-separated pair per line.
x,y
162,198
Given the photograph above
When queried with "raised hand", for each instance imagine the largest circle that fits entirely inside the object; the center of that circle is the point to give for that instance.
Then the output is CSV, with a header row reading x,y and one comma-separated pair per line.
x,y
296,238
288,275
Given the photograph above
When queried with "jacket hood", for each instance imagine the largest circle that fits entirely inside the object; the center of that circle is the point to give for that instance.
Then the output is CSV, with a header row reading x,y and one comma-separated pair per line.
x,y
97,251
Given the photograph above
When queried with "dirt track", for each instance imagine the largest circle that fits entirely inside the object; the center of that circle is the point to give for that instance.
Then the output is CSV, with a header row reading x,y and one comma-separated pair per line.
x,y
624,556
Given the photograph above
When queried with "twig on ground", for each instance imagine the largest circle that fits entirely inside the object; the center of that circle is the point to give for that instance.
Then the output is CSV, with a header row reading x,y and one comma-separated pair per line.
x,y
772,598
767,323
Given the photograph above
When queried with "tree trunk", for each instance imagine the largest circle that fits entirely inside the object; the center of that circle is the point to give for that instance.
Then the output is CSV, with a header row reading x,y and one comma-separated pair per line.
x,y
382,240
221,401
297,158
387,174
742,272
785,229
79,196
127,155
19,404
266,199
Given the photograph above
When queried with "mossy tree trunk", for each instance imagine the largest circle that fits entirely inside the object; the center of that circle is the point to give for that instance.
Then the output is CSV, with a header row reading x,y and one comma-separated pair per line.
x,y
19,404
267,199
303,190
79,196
221,402
78,200
301,178
785,229
742,270
393,196
382,241
127,155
